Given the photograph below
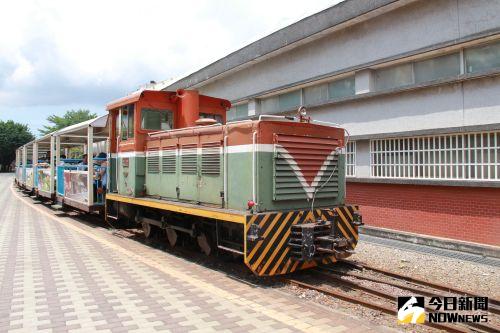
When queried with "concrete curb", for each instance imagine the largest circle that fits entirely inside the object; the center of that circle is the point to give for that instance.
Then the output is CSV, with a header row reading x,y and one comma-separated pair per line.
x,y
444,243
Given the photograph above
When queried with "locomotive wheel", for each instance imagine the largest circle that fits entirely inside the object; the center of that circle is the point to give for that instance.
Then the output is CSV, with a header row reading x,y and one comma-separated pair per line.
x,y
204,243
171,236
149,230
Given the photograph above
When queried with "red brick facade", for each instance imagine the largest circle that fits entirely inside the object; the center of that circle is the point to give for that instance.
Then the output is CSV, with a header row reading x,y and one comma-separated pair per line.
x,y
465,213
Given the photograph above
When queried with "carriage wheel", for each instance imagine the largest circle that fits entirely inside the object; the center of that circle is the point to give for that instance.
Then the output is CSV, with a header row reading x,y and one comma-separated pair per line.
x,y
204,243
171,236
149,230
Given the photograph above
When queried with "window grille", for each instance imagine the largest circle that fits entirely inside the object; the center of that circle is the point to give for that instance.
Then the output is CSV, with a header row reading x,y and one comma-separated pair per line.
x,y
350,159
468,156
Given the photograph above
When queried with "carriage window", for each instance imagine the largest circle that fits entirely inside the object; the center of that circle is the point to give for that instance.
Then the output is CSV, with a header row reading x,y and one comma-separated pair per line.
x,y
127,121
216,117
157,119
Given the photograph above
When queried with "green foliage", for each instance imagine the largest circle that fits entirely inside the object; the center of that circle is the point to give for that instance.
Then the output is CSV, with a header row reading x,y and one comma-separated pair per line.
x,y
12,136
71,117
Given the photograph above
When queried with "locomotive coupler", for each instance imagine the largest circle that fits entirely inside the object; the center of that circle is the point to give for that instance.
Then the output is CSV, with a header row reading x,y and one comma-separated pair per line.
x,y
316,240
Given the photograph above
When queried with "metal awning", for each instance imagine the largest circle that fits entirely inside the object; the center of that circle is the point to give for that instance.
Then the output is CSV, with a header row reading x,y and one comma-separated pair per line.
x,y
78,133
44,140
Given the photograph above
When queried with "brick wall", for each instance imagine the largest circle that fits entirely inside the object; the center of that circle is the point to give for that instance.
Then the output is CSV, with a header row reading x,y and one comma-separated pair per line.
x,y
465,213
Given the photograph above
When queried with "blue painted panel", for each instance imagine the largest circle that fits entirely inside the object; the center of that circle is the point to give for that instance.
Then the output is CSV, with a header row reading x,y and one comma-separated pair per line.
x,y
35,177
60,177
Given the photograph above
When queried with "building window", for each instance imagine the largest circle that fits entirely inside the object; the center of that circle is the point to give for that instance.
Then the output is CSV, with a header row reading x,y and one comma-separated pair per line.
x,y
283,102
471,156
269,104
341,88
395,76
437,68
350,159
482,58
316,94
290,100
237,112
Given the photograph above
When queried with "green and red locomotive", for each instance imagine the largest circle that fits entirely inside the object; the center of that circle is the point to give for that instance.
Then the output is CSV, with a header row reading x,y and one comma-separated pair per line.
x,y
271,190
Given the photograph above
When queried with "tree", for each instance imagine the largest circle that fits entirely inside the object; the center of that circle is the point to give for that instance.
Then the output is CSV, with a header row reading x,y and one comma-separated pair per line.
x,y
71,117
12,136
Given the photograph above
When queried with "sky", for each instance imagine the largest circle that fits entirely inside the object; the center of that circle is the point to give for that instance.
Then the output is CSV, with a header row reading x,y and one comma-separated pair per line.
x,y
57,55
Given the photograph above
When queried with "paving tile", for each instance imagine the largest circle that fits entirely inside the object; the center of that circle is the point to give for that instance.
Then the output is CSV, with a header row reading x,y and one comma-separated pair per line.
x,y
60,275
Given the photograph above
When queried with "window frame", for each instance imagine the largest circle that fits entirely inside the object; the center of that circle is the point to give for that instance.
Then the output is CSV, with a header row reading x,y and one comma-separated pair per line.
x,y
350,159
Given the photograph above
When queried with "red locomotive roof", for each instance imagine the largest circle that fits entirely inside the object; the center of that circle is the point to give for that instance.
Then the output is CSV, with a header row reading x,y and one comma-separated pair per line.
x,y
136,96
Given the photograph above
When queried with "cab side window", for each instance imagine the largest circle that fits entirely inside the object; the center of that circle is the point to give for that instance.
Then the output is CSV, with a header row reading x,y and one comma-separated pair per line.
x,y
127,122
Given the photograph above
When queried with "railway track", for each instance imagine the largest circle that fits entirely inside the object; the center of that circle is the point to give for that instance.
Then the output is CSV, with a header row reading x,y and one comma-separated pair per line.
x,y
334,277
329,280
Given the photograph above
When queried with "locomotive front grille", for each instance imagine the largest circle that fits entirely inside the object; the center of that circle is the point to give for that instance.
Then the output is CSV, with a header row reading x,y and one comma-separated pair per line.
x,y
303,164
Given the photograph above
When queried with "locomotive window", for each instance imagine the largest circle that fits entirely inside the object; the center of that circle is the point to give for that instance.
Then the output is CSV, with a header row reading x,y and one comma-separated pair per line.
x,y
157,119
131,121
124,124
216,117
127,122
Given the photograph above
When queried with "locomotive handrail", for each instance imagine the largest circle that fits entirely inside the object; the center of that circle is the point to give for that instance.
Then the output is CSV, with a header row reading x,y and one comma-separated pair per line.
x,y
285,118
334,125
181,129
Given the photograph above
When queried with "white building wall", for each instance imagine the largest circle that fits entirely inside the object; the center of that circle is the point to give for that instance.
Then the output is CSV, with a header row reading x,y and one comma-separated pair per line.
x,y
415,28
412,27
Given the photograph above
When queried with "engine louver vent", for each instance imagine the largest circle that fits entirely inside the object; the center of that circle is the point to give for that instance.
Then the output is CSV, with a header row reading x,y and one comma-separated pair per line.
x,y
168,159
189,158
210,158
153,161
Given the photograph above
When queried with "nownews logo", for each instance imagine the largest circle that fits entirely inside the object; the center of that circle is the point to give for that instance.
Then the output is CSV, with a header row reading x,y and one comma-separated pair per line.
x,y
412,309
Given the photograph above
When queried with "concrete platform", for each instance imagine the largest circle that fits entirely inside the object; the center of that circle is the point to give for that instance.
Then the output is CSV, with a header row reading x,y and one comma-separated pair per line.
x,y
60,275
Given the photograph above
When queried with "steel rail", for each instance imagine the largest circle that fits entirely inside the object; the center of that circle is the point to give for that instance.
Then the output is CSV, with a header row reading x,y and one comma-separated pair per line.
x,y
391,297
374,306
434,285
417,288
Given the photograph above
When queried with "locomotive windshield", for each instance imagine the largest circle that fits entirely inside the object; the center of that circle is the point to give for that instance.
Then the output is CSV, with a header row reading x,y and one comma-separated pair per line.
x,y
152,119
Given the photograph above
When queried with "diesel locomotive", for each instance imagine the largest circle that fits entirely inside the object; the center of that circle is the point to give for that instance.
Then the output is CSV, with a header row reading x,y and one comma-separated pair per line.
x,y
271,189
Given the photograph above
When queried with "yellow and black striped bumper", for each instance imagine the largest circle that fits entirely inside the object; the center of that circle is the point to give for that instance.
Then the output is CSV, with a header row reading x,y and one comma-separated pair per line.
x,y
267,236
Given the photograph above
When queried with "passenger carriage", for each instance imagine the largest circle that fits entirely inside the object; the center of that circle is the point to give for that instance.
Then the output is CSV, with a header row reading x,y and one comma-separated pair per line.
x,y
67,181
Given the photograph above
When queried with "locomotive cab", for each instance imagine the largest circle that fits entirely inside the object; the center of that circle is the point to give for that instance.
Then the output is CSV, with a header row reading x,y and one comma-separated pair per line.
x,y
135,116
